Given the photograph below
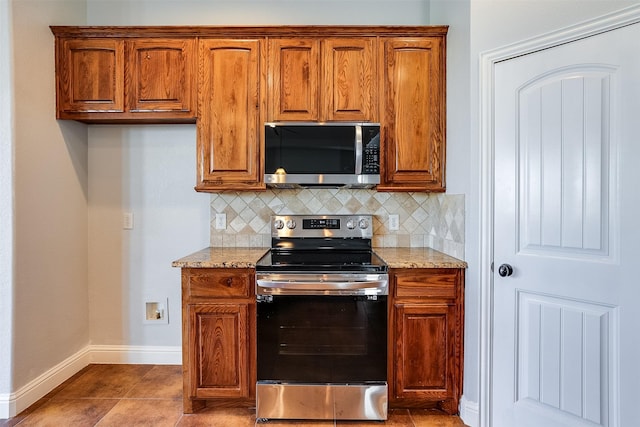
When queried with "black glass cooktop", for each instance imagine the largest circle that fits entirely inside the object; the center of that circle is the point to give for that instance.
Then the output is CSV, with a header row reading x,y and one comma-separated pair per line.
x,y
327,256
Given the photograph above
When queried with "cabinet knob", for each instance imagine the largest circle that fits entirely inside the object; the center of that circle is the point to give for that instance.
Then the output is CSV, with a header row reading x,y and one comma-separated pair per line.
x,y
229,281
505,270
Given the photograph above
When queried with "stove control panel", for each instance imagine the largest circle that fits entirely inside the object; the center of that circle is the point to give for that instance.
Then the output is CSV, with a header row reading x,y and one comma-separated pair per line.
x,y
327,226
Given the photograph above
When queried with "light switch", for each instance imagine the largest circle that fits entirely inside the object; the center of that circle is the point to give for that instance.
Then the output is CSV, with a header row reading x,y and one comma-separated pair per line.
x,y
127,220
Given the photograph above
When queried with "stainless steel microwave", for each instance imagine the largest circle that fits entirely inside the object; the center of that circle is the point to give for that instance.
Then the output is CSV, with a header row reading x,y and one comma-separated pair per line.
x,y
332,155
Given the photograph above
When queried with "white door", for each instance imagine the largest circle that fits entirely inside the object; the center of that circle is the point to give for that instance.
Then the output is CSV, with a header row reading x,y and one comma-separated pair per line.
x,y
566,323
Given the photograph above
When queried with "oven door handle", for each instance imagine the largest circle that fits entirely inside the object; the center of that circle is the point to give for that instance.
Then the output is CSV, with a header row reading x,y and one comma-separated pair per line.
x,y
369,287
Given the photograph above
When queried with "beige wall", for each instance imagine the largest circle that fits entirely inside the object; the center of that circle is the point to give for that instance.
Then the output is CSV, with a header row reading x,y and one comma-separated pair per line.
x,y
6,201
51,310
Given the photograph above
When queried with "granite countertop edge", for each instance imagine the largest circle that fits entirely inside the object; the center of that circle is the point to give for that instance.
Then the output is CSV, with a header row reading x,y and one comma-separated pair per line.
x,y
221,257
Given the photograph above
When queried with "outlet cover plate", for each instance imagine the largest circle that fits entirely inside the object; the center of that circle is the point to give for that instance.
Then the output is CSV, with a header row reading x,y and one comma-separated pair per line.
x,y
221,221
394,222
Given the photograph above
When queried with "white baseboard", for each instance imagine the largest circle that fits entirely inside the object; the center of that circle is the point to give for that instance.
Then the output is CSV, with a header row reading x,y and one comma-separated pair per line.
x,y
16,402
469,412
143,355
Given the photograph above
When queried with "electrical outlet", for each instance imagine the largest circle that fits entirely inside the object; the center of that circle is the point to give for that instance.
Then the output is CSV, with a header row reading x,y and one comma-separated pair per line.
x,y
221,221
394,222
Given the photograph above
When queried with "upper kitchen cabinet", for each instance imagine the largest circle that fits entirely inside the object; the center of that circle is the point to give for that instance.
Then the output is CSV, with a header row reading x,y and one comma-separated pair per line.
x,y
230,80
229,130
322,79
124,77
413,113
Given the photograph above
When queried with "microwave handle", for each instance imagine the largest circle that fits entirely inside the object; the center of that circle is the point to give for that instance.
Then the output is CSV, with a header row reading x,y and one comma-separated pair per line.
x,y
358,150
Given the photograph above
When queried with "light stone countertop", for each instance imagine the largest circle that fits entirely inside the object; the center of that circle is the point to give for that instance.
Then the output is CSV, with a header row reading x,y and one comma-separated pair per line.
x,y
247,257
418,258
221,258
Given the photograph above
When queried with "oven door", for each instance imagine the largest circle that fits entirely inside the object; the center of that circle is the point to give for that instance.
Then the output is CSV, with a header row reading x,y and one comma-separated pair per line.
x,y
322,357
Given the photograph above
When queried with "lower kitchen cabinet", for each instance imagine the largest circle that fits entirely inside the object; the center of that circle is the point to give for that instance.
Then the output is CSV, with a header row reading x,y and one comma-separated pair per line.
x,y
425,337
218,315
426,319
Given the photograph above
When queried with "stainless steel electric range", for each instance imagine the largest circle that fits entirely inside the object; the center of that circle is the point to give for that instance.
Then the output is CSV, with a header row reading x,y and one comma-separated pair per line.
x,y
321,321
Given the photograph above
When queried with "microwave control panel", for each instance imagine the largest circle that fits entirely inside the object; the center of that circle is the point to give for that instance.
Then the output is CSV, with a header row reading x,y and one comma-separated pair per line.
x,y
371,160
371,151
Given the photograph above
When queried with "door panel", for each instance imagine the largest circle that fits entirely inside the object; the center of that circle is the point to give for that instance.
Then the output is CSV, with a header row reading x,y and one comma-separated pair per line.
x,y
565,211
349,80
160,75
92,76
423,368
294,67
562,352
564,162
220,350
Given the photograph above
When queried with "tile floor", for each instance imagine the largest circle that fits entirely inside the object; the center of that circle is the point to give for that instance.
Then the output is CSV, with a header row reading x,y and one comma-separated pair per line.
x,y
151,395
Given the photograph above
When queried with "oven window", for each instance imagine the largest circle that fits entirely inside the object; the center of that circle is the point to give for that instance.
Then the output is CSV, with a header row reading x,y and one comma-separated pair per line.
x,y
322,339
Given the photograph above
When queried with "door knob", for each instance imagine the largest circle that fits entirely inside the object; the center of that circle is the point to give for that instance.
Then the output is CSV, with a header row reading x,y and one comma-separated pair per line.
x,y
505,270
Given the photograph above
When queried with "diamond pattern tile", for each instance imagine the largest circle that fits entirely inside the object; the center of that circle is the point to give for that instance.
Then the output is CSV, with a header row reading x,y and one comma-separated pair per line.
x,y
434,220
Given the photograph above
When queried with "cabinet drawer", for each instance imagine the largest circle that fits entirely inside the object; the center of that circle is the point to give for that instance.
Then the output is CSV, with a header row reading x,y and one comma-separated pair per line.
x,y
218,283
435,284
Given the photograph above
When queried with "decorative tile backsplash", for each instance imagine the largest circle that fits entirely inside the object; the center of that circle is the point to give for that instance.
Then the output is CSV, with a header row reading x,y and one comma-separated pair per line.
x,y
426,219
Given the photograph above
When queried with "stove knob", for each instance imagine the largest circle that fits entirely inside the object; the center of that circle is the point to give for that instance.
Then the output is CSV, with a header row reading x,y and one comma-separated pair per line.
x,y
278,224
291,224
363,223
351,224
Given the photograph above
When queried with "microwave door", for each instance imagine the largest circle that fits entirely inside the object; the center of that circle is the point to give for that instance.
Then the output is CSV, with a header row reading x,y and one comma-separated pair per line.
x,y
311,150
317,155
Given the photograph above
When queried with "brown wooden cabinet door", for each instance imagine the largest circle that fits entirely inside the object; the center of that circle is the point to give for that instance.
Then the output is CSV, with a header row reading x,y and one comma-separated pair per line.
x,y
294,78
424,343
425,338
90,76
219,350
229,129
349,80
161,76
413,114
316,79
